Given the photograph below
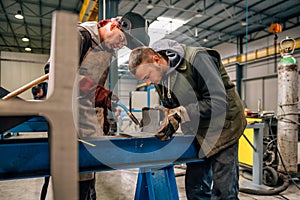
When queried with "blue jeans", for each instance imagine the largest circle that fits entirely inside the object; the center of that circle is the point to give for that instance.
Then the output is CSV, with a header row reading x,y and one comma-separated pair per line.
x,y
221,169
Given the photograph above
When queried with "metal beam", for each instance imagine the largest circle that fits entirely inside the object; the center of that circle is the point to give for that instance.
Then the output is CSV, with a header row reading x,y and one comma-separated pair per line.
x,y
30,158
86,9
255,55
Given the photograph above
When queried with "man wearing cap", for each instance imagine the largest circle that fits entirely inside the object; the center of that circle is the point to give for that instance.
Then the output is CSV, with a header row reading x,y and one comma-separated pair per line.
x,y
98,42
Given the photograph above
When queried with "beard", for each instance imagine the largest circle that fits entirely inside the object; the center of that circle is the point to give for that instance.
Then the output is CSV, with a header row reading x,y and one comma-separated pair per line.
x,y
160,73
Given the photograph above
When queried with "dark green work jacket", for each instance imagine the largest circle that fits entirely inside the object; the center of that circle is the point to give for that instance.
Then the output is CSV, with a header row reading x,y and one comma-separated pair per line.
x,y
201,84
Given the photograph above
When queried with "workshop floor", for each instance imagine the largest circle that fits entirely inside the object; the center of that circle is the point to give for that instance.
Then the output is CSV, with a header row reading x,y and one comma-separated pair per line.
x,y
117,185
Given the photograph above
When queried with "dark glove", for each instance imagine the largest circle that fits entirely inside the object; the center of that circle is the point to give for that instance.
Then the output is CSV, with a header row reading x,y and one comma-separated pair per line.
x,y
103,98
171,121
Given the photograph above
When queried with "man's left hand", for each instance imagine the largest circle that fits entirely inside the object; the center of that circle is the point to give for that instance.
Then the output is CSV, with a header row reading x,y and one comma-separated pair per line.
x,y
171,121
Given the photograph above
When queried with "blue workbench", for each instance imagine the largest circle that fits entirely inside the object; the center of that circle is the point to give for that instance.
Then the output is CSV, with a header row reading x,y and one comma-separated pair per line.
x,y
26,158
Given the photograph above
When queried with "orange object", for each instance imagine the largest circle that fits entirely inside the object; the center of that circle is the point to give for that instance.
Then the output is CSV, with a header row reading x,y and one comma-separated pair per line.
x,y
246,112
275,28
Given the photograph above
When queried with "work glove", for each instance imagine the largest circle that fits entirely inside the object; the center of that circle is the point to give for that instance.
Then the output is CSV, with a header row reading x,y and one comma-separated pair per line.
x,y
170,123
96,93
105,98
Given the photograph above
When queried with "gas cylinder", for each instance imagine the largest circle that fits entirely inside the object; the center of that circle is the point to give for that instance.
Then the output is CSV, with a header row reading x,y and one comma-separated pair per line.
x,y
287,110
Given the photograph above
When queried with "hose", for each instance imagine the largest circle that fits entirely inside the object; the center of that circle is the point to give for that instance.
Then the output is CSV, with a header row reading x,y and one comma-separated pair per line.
x,y
132,117
274,191
45,188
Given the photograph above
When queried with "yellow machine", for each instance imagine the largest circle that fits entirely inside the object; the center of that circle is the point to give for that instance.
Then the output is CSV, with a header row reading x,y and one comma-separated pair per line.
x,y
245,149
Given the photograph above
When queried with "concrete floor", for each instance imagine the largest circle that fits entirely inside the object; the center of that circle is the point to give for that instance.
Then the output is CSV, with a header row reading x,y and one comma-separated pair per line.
x,y
116,185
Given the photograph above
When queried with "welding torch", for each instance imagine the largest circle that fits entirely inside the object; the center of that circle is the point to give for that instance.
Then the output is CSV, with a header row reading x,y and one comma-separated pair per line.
x,y
132,117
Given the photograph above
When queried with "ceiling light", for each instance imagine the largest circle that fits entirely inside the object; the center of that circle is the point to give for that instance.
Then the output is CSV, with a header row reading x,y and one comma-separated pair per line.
x,y
27,48
19,15
205,39
25,39
243,23
198,13
196,32
150,5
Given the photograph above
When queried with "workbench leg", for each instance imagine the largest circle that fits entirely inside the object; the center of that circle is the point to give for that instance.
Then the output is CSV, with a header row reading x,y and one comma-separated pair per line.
x,y
156,184
257,172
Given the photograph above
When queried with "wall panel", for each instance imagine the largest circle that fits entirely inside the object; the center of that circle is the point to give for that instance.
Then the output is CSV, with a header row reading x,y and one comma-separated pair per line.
x,y
18,69
270,94
254,93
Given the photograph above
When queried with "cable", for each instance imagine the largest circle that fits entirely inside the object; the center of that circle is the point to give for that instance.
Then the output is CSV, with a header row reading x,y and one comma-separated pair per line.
x,y
290,177
45,188
280,157
274,191
132,117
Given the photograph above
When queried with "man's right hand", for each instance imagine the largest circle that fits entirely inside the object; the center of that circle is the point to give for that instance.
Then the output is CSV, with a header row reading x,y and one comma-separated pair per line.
x,y
103,98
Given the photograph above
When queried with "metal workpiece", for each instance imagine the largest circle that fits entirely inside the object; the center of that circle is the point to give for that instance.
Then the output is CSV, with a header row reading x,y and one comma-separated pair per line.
x,y
287,111
150,120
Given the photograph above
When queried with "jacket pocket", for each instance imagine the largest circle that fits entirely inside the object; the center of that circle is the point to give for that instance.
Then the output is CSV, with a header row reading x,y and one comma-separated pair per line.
x,y
235,106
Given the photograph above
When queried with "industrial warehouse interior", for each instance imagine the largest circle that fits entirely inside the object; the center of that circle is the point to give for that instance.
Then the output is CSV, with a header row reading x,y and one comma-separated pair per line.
x,y
50,141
